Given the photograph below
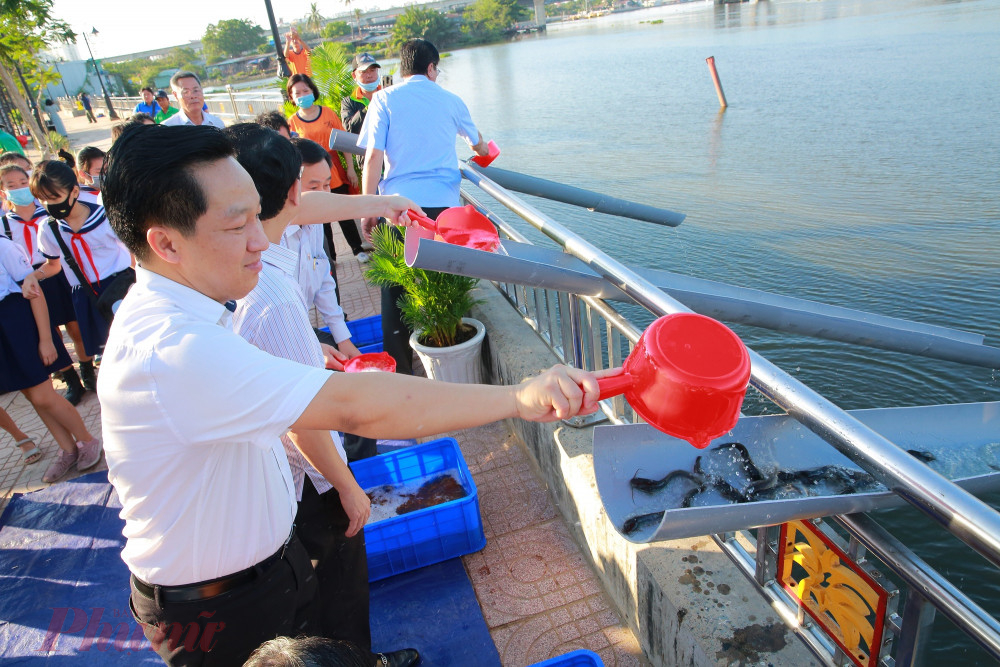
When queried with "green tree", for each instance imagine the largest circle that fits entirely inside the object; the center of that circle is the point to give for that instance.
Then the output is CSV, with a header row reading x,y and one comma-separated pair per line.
x,y
142,72
26,27
335,29
314,20
489,20
419,23
231,37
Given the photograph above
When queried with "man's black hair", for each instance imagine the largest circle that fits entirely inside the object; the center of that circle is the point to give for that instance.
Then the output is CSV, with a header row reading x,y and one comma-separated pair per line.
x,y
311,152
274,120
145,88
141,117
148,179
270,159
416,55
308,652
49,177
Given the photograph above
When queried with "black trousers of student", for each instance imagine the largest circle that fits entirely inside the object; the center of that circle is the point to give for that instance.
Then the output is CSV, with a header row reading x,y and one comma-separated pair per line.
x,y
225,629
349,228
357,447
395,333
341,566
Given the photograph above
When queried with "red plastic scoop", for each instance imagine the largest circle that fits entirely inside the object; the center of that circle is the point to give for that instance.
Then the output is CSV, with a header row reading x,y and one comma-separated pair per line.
x,y
371,362
461,225
485,160
687,377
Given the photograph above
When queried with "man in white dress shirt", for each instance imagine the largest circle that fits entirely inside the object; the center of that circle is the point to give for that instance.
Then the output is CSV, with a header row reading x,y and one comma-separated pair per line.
x,y
186,87
332,508
192,414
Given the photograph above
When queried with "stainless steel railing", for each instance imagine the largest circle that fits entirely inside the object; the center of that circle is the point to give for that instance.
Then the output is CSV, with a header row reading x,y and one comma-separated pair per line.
x,y
589,333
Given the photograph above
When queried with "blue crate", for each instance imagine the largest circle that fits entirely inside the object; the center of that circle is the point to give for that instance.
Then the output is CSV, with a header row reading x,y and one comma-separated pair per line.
x,y
366,331
427,536
374,347
581,658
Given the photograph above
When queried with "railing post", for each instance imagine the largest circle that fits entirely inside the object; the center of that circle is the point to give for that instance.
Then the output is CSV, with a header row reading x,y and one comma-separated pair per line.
x,y
236,110
914,636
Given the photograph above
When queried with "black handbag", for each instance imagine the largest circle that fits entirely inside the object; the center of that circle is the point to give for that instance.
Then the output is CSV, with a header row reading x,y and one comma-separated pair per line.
x,y
108,301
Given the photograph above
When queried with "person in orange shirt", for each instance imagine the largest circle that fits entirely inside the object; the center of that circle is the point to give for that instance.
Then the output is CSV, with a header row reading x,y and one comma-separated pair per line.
x,y
297,53
315,122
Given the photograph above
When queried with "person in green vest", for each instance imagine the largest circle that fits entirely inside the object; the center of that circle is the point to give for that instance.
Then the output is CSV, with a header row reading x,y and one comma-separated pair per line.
x,y
8,142
166,111
365,71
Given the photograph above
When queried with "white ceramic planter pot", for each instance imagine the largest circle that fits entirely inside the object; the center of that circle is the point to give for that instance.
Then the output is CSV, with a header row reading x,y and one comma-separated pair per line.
x,y
458,363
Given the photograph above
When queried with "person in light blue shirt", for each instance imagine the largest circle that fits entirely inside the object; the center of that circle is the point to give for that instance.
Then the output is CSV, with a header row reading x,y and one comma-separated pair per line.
x,y
418,151
148,105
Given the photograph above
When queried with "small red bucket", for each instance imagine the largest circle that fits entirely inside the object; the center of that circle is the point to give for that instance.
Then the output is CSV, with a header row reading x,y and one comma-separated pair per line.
x,y
371,362
687,377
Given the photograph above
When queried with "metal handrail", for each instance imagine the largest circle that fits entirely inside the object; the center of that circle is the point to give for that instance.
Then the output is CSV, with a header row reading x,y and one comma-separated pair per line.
x,y
928,590
961,513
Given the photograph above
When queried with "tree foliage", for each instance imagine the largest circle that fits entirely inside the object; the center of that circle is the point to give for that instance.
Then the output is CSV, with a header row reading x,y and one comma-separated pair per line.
x,y
231,37
141,72
420,23
26,27
314,20
335,29
489,20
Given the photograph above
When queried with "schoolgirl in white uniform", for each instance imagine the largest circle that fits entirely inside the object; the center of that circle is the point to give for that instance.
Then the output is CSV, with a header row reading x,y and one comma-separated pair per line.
x,y
20,223
30,349
85,233
89,163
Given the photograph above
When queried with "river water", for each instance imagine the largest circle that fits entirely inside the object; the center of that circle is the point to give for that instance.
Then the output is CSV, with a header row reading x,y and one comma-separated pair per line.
x,y
857,165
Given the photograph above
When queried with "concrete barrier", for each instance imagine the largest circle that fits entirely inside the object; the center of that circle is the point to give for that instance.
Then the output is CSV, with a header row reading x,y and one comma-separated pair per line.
x,y
685,600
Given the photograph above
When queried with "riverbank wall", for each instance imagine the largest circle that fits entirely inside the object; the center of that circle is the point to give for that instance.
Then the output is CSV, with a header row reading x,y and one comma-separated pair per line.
x,y
685,600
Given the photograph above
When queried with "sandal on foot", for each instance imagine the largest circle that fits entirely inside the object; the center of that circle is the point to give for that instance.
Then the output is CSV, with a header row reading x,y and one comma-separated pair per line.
x,y
33,452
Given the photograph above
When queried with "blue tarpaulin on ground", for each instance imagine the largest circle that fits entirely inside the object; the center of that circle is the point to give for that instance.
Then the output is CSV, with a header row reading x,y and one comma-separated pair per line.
x,y
64,590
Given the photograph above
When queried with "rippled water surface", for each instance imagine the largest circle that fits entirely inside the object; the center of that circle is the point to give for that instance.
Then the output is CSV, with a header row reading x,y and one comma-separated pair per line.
x,y
857,164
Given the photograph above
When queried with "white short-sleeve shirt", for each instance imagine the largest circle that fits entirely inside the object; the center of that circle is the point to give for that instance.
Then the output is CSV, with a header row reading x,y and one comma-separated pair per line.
x,y
191,416
14,267
180,118
25,232
107,255
415,123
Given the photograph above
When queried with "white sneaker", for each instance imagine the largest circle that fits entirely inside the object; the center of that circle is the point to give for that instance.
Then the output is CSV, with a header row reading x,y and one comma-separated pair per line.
x,y
362,257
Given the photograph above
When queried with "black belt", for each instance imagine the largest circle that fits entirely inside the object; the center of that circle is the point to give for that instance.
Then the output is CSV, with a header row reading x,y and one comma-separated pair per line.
x,y
210,589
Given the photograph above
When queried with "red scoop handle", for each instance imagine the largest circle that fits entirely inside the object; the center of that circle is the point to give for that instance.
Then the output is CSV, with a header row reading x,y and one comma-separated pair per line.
x,y
614,385
422,220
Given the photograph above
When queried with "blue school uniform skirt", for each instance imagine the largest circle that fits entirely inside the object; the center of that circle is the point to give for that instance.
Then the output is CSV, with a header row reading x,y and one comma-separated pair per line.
x,y
20,365
59,299
93,326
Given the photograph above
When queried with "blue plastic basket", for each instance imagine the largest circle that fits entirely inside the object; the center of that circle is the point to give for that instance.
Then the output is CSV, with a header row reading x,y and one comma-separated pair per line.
x,y
427,536
581,658
366,331
374,347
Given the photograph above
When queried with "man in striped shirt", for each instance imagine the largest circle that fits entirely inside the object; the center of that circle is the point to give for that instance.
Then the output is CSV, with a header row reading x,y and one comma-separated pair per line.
x,y
274,317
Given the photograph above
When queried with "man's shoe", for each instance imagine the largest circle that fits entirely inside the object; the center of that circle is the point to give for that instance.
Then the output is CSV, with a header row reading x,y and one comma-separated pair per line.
x,y
88,376
365,245
403,658
88,454
60,466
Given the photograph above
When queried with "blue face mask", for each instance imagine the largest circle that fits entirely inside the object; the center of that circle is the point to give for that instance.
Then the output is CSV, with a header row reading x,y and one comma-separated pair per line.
x,y
369,87
20,196
306,101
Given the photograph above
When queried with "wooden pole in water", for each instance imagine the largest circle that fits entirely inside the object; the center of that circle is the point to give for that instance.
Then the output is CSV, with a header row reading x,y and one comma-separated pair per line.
x,y
715,79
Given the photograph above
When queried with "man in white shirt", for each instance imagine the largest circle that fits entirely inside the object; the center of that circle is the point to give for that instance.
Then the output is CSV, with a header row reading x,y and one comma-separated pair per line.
x,y
186,87
332,508
418,151
192,414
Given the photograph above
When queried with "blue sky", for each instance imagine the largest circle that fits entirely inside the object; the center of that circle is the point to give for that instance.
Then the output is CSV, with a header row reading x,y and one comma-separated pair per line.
x,y
128,27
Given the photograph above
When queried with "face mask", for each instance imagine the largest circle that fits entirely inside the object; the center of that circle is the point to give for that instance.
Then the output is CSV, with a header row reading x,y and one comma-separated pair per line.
x,y
96,182
369,87
306,101
60,210
20,196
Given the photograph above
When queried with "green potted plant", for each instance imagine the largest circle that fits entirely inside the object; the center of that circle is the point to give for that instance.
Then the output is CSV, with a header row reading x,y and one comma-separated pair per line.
x,y
434,305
